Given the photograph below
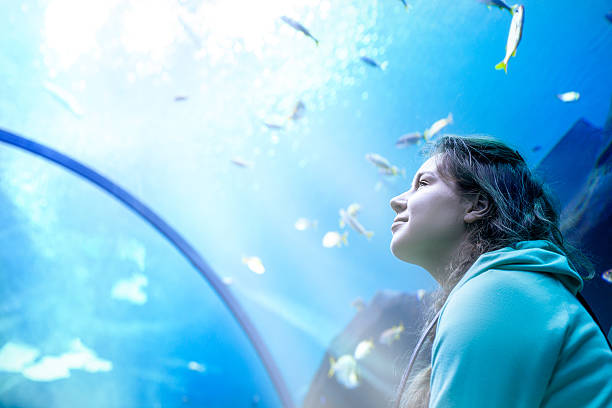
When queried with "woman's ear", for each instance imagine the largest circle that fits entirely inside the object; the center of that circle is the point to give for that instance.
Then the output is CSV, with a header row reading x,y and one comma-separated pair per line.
x,y
477,209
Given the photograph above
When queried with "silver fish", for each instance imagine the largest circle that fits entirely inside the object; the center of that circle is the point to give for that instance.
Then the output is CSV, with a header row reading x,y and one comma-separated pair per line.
x,y
369,61
409,139
497,3
514,36
297,26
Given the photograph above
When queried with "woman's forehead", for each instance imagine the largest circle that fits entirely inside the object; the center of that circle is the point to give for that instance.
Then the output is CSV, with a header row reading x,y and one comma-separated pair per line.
x,y
430,165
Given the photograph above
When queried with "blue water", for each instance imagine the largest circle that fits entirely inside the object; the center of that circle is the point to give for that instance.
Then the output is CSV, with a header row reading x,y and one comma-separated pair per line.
x,y
67,244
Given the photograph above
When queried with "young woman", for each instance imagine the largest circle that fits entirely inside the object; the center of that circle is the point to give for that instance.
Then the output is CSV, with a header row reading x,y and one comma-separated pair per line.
x,y
506,329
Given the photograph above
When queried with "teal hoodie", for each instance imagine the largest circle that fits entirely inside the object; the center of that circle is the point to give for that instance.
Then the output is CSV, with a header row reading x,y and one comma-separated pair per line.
x,y
513,334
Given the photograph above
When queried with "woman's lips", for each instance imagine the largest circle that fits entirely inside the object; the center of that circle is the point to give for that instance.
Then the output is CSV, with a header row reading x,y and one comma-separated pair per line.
x,y
396,225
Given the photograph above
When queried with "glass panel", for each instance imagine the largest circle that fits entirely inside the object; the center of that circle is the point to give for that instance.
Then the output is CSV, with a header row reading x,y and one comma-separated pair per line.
x,y
98,310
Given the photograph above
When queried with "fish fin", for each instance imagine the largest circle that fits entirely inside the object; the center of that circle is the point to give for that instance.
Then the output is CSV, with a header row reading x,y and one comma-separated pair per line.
x,y
502,65
369,234
332,363
514,53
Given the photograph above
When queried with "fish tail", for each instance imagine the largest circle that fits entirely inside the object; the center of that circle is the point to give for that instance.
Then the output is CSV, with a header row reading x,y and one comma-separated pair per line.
x,y
332,362
502,65
384,65
450,118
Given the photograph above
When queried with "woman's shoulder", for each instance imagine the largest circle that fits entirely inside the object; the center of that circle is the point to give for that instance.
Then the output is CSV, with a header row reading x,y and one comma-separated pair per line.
x,y
507,300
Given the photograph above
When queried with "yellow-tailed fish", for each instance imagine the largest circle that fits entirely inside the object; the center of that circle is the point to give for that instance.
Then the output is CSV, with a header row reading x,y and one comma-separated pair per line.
x,y
497,3
334,239
383,165
514,36
390,335
254,264
299,27
346,218
409,139
607,276
304,223
345,370
438,126
363,349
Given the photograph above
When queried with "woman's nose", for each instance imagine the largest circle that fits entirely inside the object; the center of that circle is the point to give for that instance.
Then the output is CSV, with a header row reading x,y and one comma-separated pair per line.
x,y
398,204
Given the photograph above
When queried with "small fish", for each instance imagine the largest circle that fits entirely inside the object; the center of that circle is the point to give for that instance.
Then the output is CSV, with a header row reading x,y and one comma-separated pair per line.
x,y
438,126
420,294
303,223
497,3
254,264
363,349
273,126
607,276
536,148
609,16
372,63
358,304
409,139
195,366
569,96
297,26
65,98
346,218
345,370
384,165
298,111
333,238
390,335
180,98
241,163
514,36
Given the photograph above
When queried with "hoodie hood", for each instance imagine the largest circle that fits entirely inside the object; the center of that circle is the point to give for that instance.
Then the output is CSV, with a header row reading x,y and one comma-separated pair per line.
x,y
528,256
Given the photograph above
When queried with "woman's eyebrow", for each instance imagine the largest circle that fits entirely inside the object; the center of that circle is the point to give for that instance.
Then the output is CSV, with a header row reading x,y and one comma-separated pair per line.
x,y
418,175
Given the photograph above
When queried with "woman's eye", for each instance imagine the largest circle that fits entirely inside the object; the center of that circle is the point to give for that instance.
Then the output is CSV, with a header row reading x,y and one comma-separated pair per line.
x,y
420,182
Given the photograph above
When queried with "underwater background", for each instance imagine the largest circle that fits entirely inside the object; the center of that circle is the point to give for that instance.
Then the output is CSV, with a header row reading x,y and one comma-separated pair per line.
x,y
247,137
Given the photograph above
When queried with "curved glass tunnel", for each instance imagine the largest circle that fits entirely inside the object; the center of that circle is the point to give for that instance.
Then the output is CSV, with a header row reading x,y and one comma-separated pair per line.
x,y
248,137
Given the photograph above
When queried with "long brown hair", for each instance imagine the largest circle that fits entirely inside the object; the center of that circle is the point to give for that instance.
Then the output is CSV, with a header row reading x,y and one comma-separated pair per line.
x,y
521,208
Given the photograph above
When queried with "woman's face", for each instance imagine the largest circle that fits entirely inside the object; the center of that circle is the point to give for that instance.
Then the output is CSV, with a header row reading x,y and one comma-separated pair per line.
x,y
430,219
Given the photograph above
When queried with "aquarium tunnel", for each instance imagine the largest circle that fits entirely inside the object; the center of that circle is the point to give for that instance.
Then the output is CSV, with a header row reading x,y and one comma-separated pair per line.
x,y
195,194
